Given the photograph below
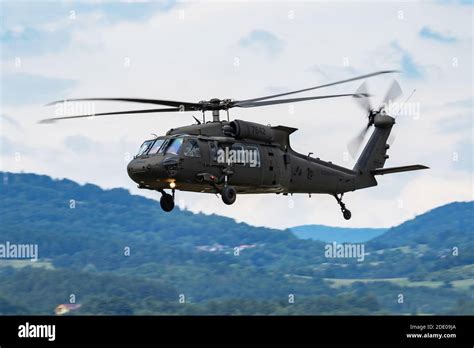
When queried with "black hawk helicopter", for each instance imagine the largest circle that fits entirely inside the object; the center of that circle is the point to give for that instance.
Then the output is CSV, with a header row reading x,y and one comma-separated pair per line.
x,y
241,157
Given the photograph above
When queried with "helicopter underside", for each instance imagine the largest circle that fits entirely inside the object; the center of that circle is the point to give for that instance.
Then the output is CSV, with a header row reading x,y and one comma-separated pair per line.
x,y
227,192
206,188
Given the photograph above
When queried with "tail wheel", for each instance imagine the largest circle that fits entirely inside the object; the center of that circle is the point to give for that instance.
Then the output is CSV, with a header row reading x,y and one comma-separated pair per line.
x,y
167,202
347,214
228,195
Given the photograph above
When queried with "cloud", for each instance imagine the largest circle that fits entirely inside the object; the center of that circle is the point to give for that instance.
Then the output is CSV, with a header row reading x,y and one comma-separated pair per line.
x,y
10,120
23,88
330,73
29,29
462,157
427,33
128,11
464,103
409,67
14,149
80,143
423,193
455,2
42,14
263,41
27,41
455,123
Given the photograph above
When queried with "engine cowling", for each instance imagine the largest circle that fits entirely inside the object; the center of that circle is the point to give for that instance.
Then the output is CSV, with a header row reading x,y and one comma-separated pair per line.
x,y
248,130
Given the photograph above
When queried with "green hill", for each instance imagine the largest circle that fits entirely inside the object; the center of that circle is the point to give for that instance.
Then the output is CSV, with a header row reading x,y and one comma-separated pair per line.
x,y
440,228
120,254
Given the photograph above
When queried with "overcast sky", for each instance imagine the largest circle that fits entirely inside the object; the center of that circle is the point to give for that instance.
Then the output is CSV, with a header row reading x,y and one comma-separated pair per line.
x,y
194,51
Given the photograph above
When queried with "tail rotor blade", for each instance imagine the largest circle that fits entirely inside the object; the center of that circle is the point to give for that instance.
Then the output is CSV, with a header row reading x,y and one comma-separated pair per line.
x,y
361,98
354,145
393,93
391,138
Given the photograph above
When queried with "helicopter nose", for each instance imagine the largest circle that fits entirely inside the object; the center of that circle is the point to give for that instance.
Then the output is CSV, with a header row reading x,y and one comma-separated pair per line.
x,y
141,170
136,170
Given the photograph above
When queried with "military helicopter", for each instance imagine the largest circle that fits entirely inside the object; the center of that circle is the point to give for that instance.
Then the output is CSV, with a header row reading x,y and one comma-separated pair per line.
x,y
242,157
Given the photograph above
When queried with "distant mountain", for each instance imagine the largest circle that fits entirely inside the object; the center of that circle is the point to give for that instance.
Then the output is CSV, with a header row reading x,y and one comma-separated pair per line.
x,y
121,254
336,234
436,246
440,228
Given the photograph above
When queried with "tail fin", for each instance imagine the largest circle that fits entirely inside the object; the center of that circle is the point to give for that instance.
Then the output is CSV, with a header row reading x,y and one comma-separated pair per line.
x,y
374,155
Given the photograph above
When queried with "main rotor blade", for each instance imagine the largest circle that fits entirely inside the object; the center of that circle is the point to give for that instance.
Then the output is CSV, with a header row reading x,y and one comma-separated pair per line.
x,y
187,105
354,145
361,99
321,86
290,100
51,120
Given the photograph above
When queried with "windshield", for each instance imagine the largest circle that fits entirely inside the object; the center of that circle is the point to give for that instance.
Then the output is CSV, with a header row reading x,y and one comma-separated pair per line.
x,y
144,148
156,146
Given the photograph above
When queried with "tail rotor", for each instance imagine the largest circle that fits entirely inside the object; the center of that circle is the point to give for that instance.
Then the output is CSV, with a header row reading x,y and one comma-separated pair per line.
x,y
363,101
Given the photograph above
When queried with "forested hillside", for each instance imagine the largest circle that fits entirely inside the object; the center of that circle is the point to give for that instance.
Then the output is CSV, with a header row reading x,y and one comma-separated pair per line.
x,y
120,254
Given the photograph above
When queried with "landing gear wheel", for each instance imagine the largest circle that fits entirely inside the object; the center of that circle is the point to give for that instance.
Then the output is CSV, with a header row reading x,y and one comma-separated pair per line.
x,y
347,214
167,202
228,195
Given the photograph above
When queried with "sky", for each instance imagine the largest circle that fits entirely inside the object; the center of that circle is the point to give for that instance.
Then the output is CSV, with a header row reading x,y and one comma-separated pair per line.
x,y
228,49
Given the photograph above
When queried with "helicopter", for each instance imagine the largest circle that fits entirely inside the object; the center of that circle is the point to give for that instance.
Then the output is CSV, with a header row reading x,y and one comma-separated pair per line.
x,y
228,158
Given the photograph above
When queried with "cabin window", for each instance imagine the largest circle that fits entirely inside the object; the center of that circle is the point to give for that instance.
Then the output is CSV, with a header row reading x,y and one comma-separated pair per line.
x,y
191,148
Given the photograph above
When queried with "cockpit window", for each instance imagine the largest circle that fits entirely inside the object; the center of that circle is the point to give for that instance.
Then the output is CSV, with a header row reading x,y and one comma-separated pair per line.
x,y
145,147
164,145
156,146
174,145
191,148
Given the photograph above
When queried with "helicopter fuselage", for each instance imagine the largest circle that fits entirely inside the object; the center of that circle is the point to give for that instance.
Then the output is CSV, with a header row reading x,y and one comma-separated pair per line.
x,y
263,162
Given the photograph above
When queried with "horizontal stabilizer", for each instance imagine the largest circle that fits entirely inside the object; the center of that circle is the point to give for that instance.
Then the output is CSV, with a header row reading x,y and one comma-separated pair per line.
x,y
382,171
